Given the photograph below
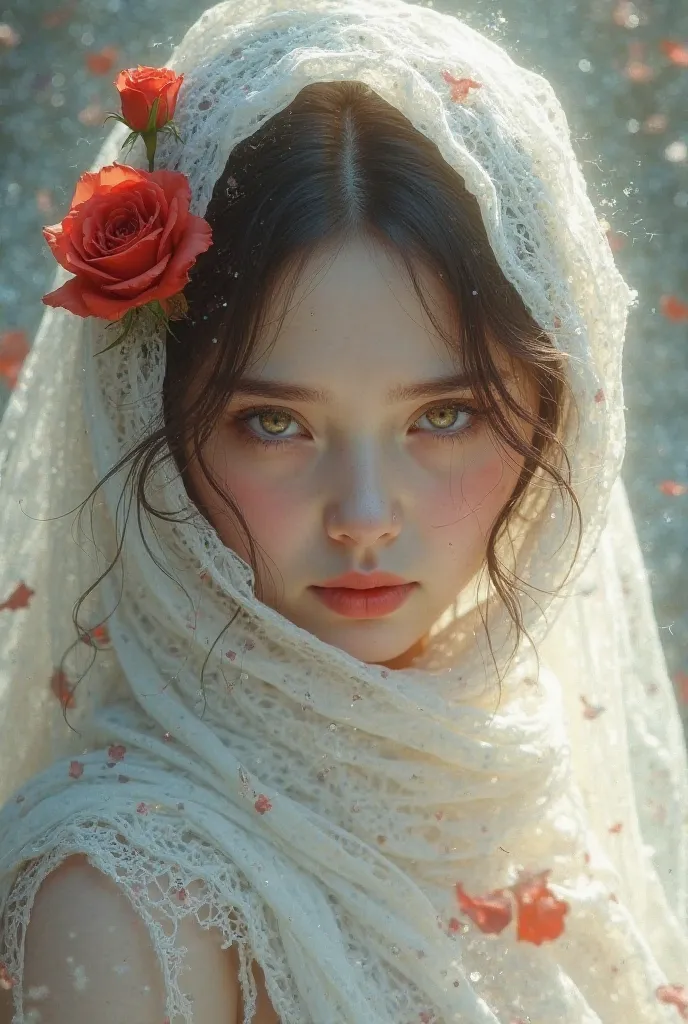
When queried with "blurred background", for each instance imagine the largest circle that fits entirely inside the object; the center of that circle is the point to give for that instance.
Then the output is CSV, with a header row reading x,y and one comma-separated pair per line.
x,y
620,69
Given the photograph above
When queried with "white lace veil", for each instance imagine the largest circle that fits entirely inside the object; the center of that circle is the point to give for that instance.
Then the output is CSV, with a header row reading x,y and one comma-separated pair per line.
x,y
327,807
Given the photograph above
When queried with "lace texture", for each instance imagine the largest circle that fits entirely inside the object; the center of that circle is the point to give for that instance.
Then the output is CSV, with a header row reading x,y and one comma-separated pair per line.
x,y
317,810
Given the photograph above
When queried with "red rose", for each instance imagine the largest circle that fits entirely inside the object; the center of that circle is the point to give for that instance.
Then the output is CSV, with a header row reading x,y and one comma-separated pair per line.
x,y
140,87
130,240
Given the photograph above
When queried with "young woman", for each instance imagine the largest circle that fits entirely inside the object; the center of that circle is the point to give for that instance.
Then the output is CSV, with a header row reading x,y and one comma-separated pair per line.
x,y
365,718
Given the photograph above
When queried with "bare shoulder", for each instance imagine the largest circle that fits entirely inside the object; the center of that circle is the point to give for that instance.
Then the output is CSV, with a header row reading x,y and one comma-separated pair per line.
x,y
89,957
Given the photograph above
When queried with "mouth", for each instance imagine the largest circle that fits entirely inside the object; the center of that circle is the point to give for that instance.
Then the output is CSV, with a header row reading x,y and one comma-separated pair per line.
x,y
364,603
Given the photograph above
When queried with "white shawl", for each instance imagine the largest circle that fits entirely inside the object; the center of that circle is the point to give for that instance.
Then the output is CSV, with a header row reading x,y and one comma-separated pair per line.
x,y
330,807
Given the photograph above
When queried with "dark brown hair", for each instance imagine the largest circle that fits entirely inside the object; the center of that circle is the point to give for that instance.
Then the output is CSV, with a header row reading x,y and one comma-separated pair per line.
x,y
337,163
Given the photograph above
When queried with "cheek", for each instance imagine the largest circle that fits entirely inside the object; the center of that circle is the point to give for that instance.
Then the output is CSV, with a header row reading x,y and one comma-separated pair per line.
x,y
488,483
461,508
272,511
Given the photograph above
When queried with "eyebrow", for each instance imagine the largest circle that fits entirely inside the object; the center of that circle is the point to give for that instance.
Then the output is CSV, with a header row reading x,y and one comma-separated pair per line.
x,y
288,392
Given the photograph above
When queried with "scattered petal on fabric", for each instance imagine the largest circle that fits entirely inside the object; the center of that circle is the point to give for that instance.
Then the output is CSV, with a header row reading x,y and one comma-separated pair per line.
x,y
673,308
681,684
591,710
96,637
117,752
676,52
616,828
102,62
674,995
616,240
6,979
491,913
142,808
76,769
540,914
460,86
19,598
62,689
262,804
672,488
14,348
599,396
231,655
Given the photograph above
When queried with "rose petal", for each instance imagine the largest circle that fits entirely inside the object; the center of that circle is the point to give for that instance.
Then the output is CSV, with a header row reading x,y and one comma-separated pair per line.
x,y
137,285
166,242
198,238
124,265
70,297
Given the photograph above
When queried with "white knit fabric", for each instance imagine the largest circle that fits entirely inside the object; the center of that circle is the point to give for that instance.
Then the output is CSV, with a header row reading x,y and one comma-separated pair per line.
x,y
386,787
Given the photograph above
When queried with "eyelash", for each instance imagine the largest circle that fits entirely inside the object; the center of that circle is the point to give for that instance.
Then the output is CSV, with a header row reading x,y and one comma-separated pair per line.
x,y
248,436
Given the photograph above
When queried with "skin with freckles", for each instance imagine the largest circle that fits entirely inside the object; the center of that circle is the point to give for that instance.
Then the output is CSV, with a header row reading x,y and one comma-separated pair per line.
x,y
367,473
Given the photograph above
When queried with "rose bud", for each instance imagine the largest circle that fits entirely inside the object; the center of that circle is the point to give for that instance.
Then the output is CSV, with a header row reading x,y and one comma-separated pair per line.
x,y
140,87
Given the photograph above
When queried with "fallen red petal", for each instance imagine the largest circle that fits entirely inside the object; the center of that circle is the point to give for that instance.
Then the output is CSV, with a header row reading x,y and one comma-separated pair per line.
x,y
460,86
674,995
590,710
673,309
262,804
540,914
19,598
672,488
14,348
491,913
102,62
676,52
117,752
681,684
62,689
76,769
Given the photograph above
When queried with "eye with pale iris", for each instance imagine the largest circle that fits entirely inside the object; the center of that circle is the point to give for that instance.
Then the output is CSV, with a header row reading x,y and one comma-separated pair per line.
x,y
274,421
448,416
270,427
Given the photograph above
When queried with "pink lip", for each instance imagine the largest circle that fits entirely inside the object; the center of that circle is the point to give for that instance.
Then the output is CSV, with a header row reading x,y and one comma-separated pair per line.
x,y
365,580
367,602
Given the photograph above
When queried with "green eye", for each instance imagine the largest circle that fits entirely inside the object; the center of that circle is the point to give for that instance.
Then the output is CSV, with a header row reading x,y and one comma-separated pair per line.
x,y
273,421
443,416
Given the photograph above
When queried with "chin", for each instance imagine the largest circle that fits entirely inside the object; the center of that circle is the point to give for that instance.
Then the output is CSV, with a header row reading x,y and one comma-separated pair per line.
x,y
370,641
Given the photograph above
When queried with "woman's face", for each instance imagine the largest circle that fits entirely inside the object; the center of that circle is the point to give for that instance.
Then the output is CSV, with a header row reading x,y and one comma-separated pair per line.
x,y
354,449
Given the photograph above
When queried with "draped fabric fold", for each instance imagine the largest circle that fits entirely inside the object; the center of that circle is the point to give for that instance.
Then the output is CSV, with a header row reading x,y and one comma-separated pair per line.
x,y
320,811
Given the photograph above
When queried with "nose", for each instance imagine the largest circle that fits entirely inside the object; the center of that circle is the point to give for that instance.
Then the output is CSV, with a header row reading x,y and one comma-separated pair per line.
x,y
364,514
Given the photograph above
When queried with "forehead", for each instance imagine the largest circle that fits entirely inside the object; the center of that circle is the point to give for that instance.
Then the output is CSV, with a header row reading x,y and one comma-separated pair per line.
x,y
355,317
